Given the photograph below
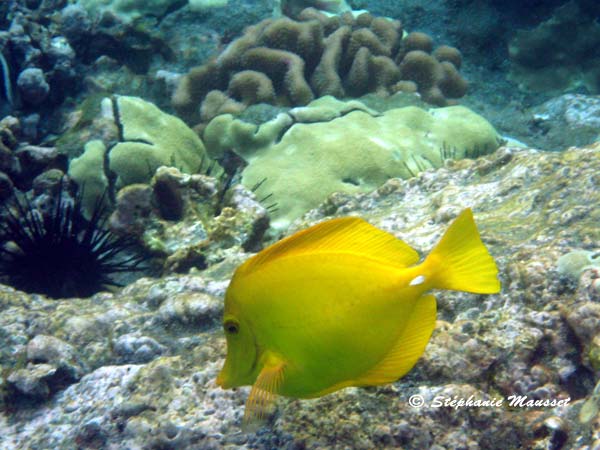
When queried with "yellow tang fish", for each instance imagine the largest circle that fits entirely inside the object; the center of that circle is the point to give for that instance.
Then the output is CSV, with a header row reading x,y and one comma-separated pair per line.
x,y
341,304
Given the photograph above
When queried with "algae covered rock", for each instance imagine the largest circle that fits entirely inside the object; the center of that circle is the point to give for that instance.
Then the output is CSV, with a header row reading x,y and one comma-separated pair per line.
x,y
186,221
298,163
539,338
568,120
52,364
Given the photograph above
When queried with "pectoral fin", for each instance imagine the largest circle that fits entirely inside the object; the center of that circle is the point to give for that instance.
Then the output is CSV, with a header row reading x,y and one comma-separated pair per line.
x,y
264,391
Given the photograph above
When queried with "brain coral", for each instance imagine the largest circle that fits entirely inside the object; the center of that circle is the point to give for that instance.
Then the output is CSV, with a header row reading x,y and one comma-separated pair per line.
x,y
297,160
291,62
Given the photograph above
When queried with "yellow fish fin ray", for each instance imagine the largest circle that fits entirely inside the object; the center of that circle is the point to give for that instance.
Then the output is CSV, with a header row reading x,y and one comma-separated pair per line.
x,y
461,262
335,387
263,392
408,348
348,235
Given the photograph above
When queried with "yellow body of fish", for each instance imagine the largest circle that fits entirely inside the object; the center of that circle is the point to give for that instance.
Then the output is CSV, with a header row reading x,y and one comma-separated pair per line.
x,y
341,304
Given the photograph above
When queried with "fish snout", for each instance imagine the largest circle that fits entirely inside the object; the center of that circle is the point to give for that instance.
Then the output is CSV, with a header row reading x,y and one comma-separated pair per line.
x,y
222,381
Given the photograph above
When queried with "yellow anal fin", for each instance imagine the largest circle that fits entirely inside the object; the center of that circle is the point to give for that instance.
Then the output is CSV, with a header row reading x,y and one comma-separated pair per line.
x,y
263,393
409,347
346,235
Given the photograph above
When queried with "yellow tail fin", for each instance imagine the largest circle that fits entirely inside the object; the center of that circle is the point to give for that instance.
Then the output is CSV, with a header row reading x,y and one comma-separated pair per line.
x,y
460,261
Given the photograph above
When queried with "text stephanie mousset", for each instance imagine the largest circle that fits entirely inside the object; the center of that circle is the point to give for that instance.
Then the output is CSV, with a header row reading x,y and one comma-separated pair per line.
x,y
512,401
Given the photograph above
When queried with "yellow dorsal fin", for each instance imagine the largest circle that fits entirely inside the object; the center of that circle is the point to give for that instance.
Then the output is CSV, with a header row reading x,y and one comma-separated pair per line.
x,y
349,235
263,392
461,262
408,348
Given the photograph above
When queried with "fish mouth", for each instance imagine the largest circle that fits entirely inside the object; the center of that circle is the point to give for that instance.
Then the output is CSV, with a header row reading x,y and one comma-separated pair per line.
x,y
221,381
227,382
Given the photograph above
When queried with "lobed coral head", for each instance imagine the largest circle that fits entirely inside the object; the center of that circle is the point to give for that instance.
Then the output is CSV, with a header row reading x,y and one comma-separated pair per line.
x,y
290,62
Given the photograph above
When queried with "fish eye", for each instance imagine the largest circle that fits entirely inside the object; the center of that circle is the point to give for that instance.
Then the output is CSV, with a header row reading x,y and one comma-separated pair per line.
x,y
231,327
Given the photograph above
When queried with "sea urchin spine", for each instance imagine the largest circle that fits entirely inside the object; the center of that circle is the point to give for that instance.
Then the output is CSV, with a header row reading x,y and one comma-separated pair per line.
x,y
60,254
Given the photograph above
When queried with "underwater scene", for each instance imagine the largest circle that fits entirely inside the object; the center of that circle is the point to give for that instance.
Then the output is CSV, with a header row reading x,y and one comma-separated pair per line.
x,y
299,224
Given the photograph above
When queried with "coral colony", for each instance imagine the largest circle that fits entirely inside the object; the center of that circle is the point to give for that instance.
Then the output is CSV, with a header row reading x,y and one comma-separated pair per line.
x,y
291,62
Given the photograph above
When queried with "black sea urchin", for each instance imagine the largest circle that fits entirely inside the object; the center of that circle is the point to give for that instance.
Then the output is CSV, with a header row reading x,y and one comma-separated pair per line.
x,y
61,254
